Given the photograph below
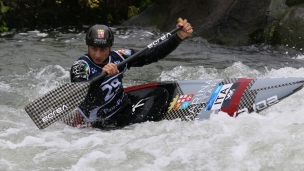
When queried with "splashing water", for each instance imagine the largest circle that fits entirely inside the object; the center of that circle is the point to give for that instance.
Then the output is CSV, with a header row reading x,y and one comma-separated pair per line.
x,y
269,140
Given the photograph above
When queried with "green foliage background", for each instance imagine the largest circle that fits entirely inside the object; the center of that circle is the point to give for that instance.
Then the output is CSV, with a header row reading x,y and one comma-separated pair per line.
x,y
3,10
18,14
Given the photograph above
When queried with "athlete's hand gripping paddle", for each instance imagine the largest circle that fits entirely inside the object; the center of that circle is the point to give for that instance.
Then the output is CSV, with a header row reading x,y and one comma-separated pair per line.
x,y
62,100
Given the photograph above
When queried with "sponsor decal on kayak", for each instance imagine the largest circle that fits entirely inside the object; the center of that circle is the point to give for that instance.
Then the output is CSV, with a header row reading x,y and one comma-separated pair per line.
x,y
183,102
172,104
259,105
241,86
138,104
231,92
195,102
218,96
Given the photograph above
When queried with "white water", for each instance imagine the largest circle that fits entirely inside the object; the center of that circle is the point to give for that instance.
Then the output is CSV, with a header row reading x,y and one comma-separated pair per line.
x,y
270,140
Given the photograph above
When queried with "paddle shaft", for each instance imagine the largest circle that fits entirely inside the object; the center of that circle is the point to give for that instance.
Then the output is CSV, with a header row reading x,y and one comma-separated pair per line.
x,y
137,54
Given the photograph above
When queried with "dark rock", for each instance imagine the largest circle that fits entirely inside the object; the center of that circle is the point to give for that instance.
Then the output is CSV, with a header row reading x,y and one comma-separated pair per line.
x,y
241,24
229,22
293,2
290,28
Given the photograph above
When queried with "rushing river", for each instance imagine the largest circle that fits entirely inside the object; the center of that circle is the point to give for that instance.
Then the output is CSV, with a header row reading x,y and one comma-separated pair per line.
x,y
35,62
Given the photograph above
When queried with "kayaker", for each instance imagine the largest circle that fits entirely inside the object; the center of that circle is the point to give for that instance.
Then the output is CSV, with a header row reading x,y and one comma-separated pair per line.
x,y
109,105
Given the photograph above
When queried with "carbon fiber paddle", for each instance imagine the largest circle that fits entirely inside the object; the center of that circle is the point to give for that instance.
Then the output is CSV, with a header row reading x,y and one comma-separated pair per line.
x,y
62,100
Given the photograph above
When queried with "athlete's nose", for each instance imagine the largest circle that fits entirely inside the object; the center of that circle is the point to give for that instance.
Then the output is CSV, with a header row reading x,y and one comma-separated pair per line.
x,y
98,53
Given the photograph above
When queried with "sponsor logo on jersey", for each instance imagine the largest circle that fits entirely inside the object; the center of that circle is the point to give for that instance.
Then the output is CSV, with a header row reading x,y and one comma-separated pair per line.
x,y
124,52
116,62
93,70
87,71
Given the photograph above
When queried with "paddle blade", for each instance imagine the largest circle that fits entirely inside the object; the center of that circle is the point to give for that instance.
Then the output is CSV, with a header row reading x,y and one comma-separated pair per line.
x,y
57,103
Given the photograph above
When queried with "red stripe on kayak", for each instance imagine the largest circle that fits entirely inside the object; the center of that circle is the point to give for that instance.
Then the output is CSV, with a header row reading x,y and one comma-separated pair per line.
x,y
138,87
236,98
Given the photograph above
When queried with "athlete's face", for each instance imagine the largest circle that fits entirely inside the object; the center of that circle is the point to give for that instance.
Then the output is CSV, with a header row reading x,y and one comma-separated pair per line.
x,y
98,54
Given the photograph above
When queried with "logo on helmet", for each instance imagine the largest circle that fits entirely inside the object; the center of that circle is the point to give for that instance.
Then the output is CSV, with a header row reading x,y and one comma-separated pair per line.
x,y
100,33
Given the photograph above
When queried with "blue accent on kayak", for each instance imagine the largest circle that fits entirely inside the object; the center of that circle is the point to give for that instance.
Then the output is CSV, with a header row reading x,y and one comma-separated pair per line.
x,y
213,97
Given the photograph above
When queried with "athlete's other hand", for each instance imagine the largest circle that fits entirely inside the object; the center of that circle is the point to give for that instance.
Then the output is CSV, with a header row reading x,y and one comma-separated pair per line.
x,y
186,30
